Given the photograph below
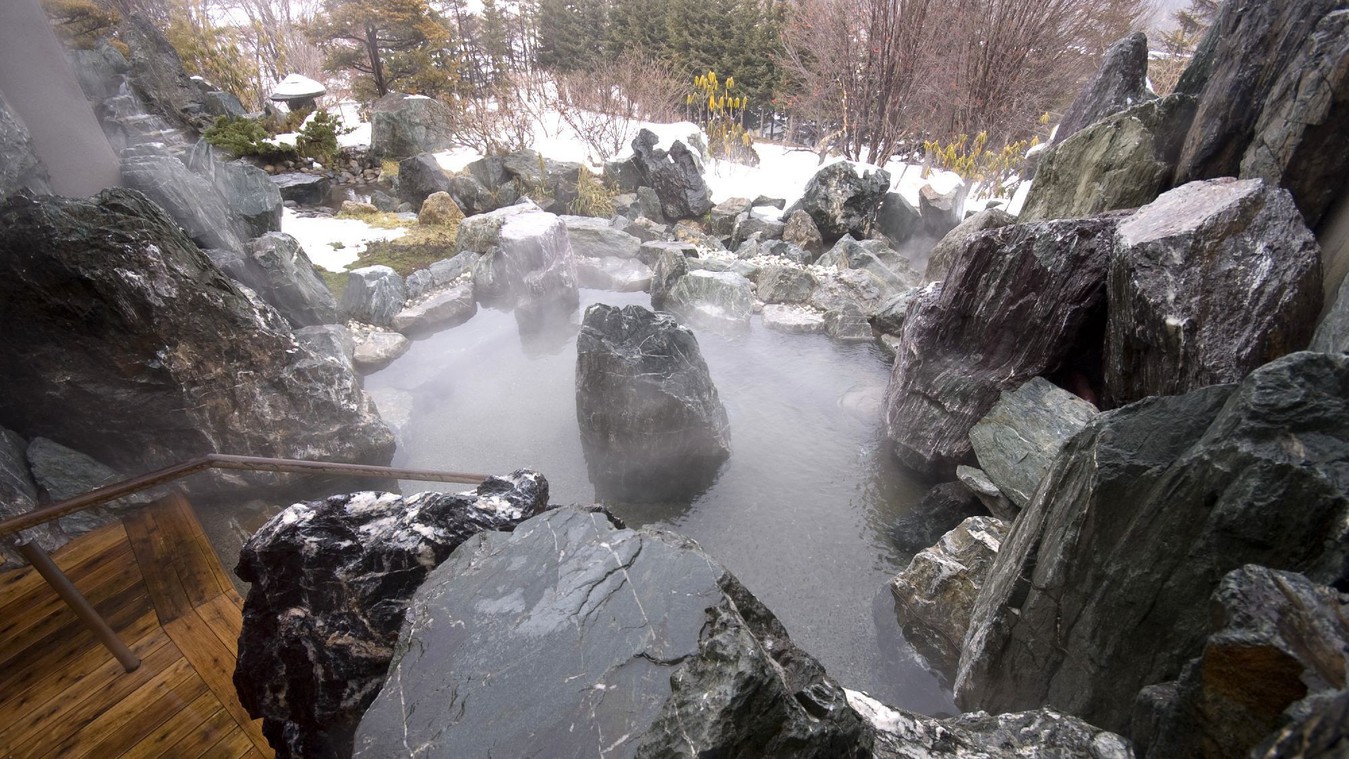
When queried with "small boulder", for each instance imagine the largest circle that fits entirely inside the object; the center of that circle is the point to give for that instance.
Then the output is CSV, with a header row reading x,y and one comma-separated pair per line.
x,y
842,198
855,287
329,341
801,231
192,200
597,238
442,310
941,210
888,265
897,219
785,284
373,295
993,499
652,425
949,249
302,189
719,301
376,350
793,319
278,270
420,176
439,209
669,267
725,215
407,125
848,325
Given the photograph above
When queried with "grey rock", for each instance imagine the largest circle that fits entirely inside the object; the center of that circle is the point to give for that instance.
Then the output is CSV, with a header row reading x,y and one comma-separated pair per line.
x,y
278,270
785,284
373,295
441,310
419,283
941,212
842,198
1332,334
649,206
1271,66
408,125
949,250
635,642
597,238
652,425
941,509
1012,310
889,318
1125,161
18,495
250,195
647,230
848,324
725,215
751,225
935,594
651,251
1121,83
1208,282
1017,441
788,251
855,287
525,263
157,77
331,341
764,200
719,301
376,350
669,267
623,176
330,583
149,354
793,320
420,177
897,219
102,70
446,271
1318,731
551,184
1277,649
875,256
621,275
674,176
801,231
221,103
190,199
993,499
20,167
1140,517
64,473
303,189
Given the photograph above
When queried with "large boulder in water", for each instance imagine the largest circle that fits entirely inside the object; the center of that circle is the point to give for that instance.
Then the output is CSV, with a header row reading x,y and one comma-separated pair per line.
x,y
330,582
123,336
720,301
192,200
1207,283
842,198
1120,84
652,425
1277,651
525,263
20,168
1272,100
408,125
674,175
1013,306
1100,589
277,269
572,636
1124,161
374,295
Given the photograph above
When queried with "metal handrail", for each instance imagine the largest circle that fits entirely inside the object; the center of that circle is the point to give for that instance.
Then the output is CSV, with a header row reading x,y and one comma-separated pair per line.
x,y
221,461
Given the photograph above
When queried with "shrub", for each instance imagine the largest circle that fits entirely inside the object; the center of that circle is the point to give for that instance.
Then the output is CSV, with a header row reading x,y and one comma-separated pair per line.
x,y
318,138
241,136
990,170
593,198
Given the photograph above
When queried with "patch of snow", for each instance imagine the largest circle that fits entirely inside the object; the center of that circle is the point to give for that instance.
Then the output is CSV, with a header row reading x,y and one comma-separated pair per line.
x,y
297,86
333,243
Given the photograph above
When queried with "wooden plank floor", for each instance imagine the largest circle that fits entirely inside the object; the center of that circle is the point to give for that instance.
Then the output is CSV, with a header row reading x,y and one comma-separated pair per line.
x,y
158,582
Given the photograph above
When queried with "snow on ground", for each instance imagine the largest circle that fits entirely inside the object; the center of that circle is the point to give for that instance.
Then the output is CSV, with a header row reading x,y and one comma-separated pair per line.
x,y
333,243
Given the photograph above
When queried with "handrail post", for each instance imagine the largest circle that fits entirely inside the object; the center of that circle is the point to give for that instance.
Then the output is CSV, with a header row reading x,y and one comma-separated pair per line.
x,y
64,588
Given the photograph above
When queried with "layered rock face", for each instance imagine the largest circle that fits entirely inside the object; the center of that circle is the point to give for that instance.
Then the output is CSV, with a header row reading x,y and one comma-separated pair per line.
x,y
652,425
1208,282
189,198
574,637
674,175
1011,308
1094,595
1120,84
331,581
124,336
278,270
842,198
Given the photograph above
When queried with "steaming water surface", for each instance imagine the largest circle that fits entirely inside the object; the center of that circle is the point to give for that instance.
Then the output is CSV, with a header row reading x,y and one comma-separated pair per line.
x,y
801,511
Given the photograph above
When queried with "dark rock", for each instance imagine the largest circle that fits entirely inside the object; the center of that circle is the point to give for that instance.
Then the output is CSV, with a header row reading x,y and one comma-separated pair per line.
x,y
467,192
935,594
331,341
1320,731
889,318
950,248
18,495
331,581
442,310
598,639
63,473
993,499
597,238
785,284
669,267
1138,520
409,125
147,354
190,199
1332,334
157,77
764,200
221,103
1274,90
1012,308
940,510
1125,161
724,216
303,189
855,287
20,167
1121,83
420,176
1018,439
649,206
940,211
766,229
250,195
897,219
648,231
674,176
848,324
525,263
652,425
623,176
1208,282
278,270
717,301
1278,648
842,198
373,295
801,231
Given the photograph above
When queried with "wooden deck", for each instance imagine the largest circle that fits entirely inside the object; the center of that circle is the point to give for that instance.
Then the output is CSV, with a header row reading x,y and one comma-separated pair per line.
x,y
158,582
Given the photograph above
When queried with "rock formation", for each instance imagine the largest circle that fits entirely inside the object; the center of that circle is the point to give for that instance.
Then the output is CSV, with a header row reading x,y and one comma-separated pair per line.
x,y
574,637
674,176
374,295
124,336
331,581
842,198
1208,282
189,198
652,425
1120,84
1011,308
278,270
524,263
943,255
1098,590
718,301
408,125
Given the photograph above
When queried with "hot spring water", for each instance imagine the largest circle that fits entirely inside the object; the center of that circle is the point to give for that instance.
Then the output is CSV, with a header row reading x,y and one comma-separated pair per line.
x,y
801,512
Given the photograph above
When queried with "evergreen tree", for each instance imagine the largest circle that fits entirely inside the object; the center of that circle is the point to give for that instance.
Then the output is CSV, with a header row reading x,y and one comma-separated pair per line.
x,y
571,34
392,45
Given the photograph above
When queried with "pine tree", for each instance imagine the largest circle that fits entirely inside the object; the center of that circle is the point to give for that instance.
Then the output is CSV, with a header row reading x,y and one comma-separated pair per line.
x,y
571,34
391,45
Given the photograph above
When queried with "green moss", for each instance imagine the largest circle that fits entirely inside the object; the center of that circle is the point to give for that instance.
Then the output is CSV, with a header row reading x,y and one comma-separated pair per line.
x,y
335,280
